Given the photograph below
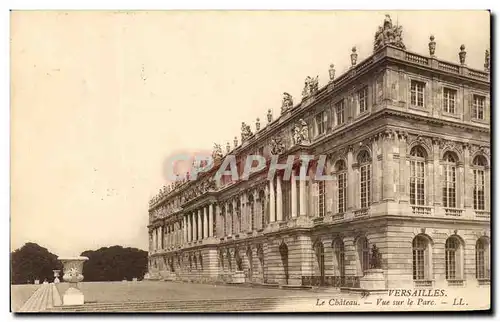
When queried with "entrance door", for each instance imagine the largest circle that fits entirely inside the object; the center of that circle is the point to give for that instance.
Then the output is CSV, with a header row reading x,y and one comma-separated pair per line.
x,y
284,260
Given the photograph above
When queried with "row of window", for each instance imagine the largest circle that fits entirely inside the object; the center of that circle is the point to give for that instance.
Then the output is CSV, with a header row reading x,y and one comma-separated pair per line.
x,y
417,98
454,258
422,258
417,182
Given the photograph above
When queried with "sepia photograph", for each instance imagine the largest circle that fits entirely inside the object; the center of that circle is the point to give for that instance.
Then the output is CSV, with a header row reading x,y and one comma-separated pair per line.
x,y
250,161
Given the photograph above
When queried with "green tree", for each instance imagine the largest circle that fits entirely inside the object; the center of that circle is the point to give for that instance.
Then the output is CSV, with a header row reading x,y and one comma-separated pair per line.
x,y
31,262
115,263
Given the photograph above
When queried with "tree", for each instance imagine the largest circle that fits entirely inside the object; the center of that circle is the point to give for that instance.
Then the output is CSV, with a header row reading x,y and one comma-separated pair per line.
x,y
114,263
31,262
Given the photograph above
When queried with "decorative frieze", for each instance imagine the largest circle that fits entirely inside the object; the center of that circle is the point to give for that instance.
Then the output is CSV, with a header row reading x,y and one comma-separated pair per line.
x,y
277,146
300,133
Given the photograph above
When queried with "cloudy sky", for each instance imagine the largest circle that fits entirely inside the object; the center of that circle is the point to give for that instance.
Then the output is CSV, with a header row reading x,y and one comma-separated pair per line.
x,y
101,99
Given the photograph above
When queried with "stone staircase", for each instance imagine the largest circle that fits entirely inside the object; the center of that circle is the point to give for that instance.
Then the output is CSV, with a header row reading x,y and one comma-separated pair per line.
x,y
232,305
42,299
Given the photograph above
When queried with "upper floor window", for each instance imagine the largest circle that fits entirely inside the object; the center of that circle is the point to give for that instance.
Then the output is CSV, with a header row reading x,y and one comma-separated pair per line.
x,y
365,182
449,99
262,201
339,112
478,107
450,180
479,165
321,198
250,206
417,93
363,99
341,169
237,224
321,123
223,221
417,176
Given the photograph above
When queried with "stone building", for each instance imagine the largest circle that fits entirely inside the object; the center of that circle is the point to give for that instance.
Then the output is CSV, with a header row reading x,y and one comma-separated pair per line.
x,y
407,144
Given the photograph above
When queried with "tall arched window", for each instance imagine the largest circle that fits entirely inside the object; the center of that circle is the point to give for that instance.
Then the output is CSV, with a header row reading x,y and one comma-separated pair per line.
x,y
452,258
363,254
482,259
321,198
479,165
223,218
421,259
250,206
221,260
339,256
237,226
262,201
450,180
417,176
341,170
365,166
230,215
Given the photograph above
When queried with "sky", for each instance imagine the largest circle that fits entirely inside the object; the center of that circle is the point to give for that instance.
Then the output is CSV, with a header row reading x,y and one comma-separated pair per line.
x,y
99,100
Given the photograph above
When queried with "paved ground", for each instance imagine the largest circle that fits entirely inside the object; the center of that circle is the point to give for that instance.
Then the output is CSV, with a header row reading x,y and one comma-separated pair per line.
x,y
20,294
159,291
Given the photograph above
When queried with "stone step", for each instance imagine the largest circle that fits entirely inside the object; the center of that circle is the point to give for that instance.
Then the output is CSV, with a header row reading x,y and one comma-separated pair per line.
x,y
254,304
39,301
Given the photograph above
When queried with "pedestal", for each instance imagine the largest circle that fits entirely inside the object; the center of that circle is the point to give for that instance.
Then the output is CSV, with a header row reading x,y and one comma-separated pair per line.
x,y
73,296
73,268
238,277
373,280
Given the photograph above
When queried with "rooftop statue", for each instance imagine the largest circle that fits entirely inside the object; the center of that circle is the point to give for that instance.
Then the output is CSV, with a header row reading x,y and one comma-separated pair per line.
x,y
217,152
269,116
388,34
246,132
287,102
310,86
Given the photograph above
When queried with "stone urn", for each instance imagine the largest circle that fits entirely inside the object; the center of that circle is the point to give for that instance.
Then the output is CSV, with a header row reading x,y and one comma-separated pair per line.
x,y
56,275
73,268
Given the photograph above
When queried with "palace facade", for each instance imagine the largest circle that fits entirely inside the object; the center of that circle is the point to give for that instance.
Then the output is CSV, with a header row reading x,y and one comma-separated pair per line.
x,y
407,140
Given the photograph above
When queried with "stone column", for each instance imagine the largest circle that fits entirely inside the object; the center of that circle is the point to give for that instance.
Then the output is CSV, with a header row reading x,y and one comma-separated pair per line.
x,y
279,200
272,202
388,164
469,180
189,227
302,196
200,232
184,228
210,220
436,191
293,189
205,222
351,184
376,165
404,169
218,221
